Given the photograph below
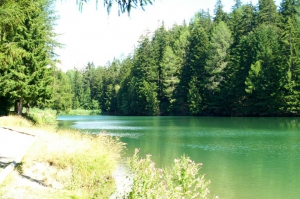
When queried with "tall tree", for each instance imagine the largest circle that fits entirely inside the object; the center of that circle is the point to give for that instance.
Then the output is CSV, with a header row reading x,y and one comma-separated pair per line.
x,y
267,12
143,83
264,77
170,79
159,45
216,62
62,92
290,49
28,78
194,63
220,15
237,4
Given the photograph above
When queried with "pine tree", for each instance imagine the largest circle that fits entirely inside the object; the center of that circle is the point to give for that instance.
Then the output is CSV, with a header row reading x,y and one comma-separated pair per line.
x,y
220,15
159,44
249,19
237,4
123,100
216,63
170,79
267,12
263,81
27,79
194,63
217,54
241,56
290,49
194,97
62,92
143,83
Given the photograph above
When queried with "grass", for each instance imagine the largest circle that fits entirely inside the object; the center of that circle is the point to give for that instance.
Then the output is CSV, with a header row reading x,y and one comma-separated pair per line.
x,y
68,163
81,112
42,117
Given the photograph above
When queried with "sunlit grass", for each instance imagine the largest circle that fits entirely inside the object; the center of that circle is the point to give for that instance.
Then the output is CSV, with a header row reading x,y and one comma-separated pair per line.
x,y
81,112
42,117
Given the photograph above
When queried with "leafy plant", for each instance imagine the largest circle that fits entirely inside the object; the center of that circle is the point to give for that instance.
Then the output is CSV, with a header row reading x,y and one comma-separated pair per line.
x,y
182,180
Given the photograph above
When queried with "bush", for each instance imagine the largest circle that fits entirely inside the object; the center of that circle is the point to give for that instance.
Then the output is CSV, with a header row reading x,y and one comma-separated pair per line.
x,y
42,116
182,180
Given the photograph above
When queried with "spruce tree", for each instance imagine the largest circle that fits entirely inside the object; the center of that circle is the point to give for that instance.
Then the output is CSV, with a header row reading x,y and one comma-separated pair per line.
x,y
193,66
237,4
267,12
290,49
159,44
123,99
220,15
62,92
27,79
263,81
216,63
143,83
170,79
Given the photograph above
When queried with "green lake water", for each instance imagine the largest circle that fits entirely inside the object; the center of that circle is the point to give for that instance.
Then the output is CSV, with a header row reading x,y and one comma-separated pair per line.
x,y
243,157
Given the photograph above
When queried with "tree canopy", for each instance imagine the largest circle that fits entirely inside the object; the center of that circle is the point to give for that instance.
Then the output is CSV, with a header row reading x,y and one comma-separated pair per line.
x,y
242,63
26,52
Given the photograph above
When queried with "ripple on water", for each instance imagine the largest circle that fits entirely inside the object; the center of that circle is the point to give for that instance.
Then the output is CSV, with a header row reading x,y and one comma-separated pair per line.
x,y
106,126
127,135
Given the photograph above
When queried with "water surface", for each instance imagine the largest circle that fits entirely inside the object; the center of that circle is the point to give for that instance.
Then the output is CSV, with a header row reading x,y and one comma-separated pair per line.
x,y
243,157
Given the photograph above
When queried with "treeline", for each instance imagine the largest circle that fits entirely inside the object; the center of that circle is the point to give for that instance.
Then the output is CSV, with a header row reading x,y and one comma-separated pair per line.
x,y
242,63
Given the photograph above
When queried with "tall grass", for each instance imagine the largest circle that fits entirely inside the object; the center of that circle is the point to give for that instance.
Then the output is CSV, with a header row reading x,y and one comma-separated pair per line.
x,y
15,121
90,160
42,116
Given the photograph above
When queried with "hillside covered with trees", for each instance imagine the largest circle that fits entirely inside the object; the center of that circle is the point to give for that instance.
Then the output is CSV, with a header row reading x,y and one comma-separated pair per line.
x,y
242,63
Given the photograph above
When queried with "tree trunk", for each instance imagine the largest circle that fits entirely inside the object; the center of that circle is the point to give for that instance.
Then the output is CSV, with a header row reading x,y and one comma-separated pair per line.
x,y
16,107
27,109
20,106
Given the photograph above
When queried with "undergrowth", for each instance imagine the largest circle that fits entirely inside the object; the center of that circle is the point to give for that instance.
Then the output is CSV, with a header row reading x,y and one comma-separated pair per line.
x,y
181,180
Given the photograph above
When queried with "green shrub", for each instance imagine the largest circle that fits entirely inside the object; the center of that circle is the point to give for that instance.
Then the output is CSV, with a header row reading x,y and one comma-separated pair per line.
x,y
182,180
42,116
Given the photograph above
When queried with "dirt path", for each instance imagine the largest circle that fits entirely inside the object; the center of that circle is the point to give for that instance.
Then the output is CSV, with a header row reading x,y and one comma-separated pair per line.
x,y
13,146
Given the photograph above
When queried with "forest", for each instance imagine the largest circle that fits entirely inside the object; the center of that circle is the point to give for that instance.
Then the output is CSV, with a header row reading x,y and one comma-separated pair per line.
x,y
242,63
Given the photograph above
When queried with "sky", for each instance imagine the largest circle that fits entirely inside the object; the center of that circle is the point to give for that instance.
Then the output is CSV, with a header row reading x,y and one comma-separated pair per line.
x,y
94,36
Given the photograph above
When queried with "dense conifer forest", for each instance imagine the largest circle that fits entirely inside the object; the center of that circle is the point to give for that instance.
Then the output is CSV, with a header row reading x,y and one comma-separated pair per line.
x,y
242,63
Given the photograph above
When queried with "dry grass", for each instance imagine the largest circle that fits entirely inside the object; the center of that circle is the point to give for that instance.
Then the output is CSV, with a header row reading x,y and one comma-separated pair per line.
x,y
67,164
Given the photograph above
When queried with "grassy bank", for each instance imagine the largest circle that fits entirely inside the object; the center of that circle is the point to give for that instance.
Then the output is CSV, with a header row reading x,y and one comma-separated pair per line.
x,y
68,163
81,112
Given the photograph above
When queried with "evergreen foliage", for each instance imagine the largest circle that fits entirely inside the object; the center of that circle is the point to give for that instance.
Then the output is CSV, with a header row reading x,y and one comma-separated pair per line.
x,y
26,51
244,63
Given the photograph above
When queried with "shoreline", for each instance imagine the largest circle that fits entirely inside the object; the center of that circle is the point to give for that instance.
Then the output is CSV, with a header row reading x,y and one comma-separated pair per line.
x,y
64,163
